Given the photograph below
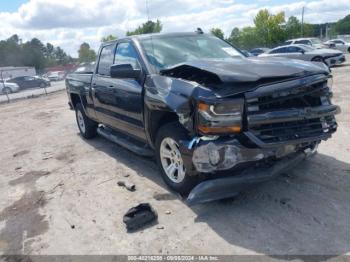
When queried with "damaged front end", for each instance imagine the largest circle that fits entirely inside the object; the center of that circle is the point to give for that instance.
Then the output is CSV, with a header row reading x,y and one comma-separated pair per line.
x,y
244,129
278,126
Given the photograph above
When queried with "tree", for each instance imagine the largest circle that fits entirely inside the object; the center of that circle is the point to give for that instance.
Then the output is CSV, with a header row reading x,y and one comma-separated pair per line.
x,y
33,54
269,27
108,38
217,32
86,54
147,28
293,27
342,27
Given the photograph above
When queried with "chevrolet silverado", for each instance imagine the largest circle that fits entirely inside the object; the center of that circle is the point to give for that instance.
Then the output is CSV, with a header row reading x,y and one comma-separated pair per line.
x,y
216,121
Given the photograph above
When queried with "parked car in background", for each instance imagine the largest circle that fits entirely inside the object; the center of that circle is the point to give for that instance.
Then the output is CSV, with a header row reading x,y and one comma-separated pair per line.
x,y
30,81
340,44
311,41
56,76
258,51
8,88
330,57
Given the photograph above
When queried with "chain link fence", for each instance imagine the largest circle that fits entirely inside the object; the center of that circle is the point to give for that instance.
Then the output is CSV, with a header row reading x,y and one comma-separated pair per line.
x,y
32,92
10,93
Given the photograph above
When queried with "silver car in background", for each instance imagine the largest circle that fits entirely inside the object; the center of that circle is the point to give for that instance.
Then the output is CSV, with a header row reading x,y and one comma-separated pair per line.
x,y
8,88
309,41
339,44
330,57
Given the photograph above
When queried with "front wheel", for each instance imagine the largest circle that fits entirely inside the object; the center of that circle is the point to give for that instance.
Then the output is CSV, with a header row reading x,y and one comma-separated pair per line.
x,y
87,127
170,161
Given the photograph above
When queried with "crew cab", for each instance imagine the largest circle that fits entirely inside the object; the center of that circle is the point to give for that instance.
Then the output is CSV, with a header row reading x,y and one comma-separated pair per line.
x,y
216,121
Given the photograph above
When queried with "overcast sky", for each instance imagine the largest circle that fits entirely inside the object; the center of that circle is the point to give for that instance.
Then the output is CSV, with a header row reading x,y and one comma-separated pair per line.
x,y
68,23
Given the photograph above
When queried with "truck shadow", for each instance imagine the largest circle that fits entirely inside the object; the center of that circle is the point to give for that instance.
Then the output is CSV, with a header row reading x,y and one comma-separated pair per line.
x,y
304,212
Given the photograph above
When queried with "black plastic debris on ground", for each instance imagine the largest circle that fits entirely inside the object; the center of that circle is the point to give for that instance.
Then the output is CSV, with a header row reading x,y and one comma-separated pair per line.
x,y
139,217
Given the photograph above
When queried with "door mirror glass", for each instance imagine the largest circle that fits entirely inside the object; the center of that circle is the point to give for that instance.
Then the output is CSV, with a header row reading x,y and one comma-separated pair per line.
x,y
124,71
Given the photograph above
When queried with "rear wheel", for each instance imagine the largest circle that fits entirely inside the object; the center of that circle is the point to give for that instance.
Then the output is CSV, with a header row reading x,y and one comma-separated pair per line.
x,y
87,127
170,161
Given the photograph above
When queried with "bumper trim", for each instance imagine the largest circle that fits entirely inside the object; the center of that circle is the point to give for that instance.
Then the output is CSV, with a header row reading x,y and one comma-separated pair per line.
x,y
228,187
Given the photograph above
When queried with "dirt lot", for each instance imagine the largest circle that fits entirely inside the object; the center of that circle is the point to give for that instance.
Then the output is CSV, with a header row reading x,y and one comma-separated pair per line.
x,y
59,194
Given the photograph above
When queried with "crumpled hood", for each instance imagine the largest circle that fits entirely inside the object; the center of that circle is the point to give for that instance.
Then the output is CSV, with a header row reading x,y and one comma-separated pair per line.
x,y
249,69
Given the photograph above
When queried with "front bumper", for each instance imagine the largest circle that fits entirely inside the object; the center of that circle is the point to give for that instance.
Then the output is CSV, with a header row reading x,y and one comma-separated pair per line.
x,y
230,186
337,60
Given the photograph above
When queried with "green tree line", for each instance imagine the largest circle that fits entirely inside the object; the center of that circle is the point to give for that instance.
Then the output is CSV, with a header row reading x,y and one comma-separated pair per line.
x,y
13,52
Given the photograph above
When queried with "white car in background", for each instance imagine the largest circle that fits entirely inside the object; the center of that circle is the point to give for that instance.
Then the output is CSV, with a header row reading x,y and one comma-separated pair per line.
x,y
56,76
330,57
339,44
8,88
310,41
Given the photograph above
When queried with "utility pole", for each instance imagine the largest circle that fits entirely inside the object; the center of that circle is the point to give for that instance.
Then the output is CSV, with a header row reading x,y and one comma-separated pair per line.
x,y
302,21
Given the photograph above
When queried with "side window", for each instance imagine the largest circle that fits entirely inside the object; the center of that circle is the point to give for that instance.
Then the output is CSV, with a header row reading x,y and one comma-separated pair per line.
x,y
303,42
294,49
106,60
126,54
288,42
338,42
278,50
28,78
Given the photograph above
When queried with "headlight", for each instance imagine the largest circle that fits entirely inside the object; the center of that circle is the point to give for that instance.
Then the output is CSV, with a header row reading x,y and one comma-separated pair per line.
x,y
223,117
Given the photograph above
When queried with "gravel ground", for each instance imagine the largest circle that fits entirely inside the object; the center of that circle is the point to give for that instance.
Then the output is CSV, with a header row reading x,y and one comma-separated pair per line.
x,y
59,194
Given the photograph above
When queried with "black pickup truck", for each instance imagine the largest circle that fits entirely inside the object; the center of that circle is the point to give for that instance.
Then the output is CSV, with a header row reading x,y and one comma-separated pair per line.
x,y
216,121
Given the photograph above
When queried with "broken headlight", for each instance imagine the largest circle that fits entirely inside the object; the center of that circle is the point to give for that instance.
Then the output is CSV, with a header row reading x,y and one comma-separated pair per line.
x,y
223,117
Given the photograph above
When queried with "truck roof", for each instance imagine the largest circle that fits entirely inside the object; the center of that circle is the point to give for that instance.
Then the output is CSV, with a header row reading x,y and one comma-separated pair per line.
x,y
153,35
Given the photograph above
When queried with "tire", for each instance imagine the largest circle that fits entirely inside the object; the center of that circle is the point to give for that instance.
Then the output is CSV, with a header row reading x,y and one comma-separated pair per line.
x,y
349,50
7,90
180,181
87,127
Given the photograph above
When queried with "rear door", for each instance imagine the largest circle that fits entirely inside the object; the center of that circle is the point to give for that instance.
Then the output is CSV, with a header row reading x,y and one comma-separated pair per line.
x,y
118,102
294,52
30,81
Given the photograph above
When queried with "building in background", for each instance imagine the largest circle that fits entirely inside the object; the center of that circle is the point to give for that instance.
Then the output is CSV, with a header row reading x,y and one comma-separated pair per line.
x,y
7,72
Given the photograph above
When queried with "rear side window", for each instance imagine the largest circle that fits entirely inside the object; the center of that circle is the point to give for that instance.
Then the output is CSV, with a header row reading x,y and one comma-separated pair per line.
x,y
279,50
293,49
126,54
106,60
303,42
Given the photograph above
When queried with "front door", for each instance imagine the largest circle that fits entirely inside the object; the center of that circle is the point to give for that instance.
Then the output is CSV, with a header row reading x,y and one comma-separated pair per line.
x,y
118,102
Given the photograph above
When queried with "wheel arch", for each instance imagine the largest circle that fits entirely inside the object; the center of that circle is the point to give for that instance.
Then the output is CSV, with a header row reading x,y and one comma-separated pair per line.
x,y
157,119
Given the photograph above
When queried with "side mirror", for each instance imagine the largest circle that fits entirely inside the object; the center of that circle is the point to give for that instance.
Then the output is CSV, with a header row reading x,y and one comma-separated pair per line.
x,y
302,51
124,71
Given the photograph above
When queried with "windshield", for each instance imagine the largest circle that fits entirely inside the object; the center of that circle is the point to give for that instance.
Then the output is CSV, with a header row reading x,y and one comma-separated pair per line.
x,y
166,51
315,41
